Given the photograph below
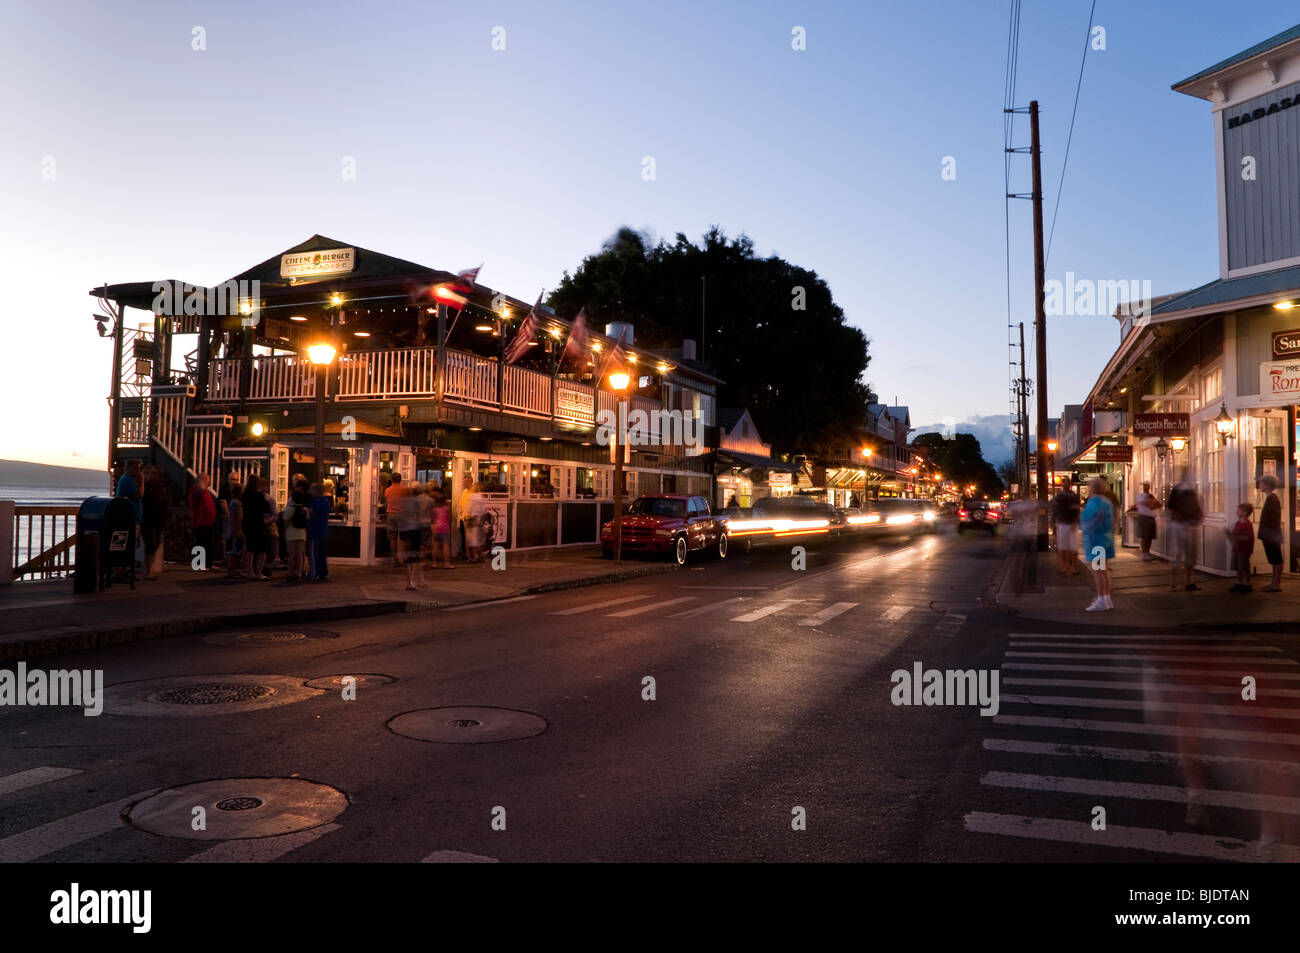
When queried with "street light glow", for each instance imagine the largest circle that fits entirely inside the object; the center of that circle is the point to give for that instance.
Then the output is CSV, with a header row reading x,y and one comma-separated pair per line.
x,y
322,353
619,380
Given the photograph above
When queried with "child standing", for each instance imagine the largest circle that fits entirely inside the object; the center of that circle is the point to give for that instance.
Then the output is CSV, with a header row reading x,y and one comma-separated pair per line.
x,y
1243,545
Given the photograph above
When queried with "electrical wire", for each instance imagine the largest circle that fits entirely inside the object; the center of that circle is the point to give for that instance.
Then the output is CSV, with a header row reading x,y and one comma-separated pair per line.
x,y
1087,36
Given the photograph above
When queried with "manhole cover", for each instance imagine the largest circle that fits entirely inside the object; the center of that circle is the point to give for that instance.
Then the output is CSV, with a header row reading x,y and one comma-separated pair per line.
x,y
334,683
205,695
272,637
239,804
238,808
467,725
214,693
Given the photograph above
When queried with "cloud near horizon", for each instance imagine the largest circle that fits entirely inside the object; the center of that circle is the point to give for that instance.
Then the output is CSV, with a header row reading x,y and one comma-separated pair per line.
x,y
997,442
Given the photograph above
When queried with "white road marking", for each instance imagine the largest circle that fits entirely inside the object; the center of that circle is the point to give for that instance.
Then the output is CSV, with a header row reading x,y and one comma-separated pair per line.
x,y
1140,728
257,850
1126,685
766,611
828,613
458,857
601,605
1134,636
1210,672
1186,708
723,588
1133,838
894,613
34,776
1167,647
1154,658
1242,800
1130,754
66,831
700,610
487,605
626,613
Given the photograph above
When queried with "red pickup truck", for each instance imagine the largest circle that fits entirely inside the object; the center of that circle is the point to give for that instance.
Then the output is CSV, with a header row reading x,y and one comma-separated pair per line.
x,y
668,524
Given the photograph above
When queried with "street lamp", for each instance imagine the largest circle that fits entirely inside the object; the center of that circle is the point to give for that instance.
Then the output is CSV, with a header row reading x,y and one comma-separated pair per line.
x,y
1178,443
618,380
1162,448
322,356
1223,424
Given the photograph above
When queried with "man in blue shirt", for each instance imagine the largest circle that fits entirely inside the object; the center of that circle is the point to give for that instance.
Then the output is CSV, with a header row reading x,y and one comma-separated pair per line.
x,y
128,488
318,528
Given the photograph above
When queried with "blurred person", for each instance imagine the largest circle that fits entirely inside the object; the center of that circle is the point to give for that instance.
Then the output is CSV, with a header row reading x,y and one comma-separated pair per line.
x,y
203,518
318,528
442,528
394,493
1242,535
275,553
1147,505
234,528
474,523
296,517
1024,541
404,518
156,502
1185,516
255,515
1270,530
1065,509
1097,522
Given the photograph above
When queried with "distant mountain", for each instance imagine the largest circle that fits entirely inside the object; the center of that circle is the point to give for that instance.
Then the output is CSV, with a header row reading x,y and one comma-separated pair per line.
x,y
22,473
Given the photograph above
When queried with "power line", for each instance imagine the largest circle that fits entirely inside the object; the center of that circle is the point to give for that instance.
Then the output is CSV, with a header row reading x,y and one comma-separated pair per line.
x,y
1087,36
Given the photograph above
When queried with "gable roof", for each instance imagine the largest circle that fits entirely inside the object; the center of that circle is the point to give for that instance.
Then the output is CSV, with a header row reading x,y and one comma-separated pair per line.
x,y
728,417
1282,283
1286,36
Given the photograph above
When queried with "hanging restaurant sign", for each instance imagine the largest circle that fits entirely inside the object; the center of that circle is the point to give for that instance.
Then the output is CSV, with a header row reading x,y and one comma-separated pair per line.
x,y
1286,344
1162,425
1114,452
507,447
574,404
313,264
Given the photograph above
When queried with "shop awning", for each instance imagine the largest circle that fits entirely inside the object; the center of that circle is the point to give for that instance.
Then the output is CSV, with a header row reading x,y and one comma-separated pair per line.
x,y
752,461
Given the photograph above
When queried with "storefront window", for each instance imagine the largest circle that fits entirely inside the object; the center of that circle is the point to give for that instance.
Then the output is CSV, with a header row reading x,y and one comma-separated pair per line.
x,y
494,475
539,480
586,485
1212,480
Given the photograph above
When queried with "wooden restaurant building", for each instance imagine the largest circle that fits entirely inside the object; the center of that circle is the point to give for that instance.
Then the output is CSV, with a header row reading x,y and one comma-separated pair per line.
x,y
419,385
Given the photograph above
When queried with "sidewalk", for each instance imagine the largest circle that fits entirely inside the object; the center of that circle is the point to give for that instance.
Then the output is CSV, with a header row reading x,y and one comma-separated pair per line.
x,y
1142,598
46,618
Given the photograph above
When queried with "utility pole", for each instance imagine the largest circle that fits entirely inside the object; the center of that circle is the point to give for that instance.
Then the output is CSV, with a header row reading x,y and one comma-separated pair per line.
x,y
704,288
1040,327
1022,418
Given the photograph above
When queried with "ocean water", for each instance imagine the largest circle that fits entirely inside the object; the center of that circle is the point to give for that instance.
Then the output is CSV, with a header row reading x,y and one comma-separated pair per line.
x,y
54,496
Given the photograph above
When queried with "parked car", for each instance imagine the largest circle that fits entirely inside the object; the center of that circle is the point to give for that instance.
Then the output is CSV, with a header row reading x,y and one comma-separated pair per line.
x,y
977,514
668,524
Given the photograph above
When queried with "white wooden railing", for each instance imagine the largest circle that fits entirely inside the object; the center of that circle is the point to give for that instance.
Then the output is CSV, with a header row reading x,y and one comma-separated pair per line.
x,y
43,541
526,391
283,377
392,373
223,379
169,421
471,379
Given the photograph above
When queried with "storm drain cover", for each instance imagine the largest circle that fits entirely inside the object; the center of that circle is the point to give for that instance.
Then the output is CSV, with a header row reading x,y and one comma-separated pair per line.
x,y
236,808
467,726
205,694
334,683
267,636
213,693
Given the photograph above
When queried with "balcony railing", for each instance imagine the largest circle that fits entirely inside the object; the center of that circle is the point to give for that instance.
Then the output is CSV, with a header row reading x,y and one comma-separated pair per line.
x,y
412,372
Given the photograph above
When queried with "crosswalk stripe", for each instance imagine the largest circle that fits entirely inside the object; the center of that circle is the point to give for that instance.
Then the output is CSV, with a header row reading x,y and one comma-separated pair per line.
x,y
1134,636
258,850
894,613
487,604
1141,728
1209,672
828,613
663,604
1127,685
1167,647
1130,754
601,605
34,776
765,611
711,607
66,831
1133,838
1186,708
1243,800
1153,658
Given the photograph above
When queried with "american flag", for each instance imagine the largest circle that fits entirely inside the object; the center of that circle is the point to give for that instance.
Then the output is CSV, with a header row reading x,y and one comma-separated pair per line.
x,y
615,360
524,336
468,278
577,344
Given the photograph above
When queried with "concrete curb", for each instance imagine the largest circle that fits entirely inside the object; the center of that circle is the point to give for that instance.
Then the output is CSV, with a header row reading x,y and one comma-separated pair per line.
x,y
83,638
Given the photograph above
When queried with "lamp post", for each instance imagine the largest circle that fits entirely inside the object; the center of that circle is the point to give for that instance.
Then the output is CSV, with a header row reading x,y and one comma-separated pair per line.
x,y
1051,463
1223,424
619,381
322,356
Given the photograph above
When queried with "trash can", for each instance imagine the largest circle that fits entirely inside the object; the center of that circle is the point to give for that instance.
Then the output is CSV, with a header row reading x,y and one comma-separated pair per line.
x,y
105,541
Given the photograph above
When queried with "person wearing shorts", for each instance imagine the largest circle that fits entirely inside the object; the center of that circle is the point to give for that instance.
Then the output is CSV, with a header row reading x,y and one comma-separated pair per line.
x,y
1270,530
1147,505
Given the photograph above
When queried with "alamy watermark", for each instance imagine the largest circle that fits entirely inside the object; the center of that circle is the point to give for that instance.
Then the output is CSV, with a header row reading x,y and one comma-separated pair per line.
x,y
651,428
82,688
230,298
922,686
1083,297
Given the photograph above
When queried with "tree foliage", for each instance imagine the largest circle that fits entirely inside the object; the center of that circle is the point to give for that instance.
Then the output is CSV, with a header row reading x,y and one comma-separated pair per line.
x,y
799,371
960,458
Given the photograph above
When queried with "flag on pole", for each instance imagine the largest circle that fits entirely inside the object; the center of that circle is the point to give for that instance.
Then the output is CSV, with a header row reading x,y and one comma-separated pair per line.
x,y
524,336
577,345
468,277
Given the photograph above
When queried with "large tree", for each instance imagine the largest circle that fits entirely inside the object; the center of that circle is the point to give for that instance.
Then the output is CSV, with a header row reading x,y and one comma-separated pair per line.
x,y
770,329
960,458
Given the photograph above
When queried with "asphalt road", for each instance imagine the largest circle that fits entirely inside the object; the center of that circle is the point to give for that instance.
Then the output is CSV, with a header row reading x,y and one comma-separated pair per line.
x,y
772,706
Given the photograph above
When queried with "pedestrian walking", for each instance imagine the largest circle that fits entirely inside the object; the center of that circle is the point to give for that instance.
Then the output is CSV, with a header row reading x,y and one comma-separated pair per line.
x,y
1242,535
203,518
254,518
1270,530
1097,521
275,553
442,528
296,517
1065,509
318,527
155,504
404,519
462,513
394,493
234,528
1185,518
1147,505
1024,542
474,523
